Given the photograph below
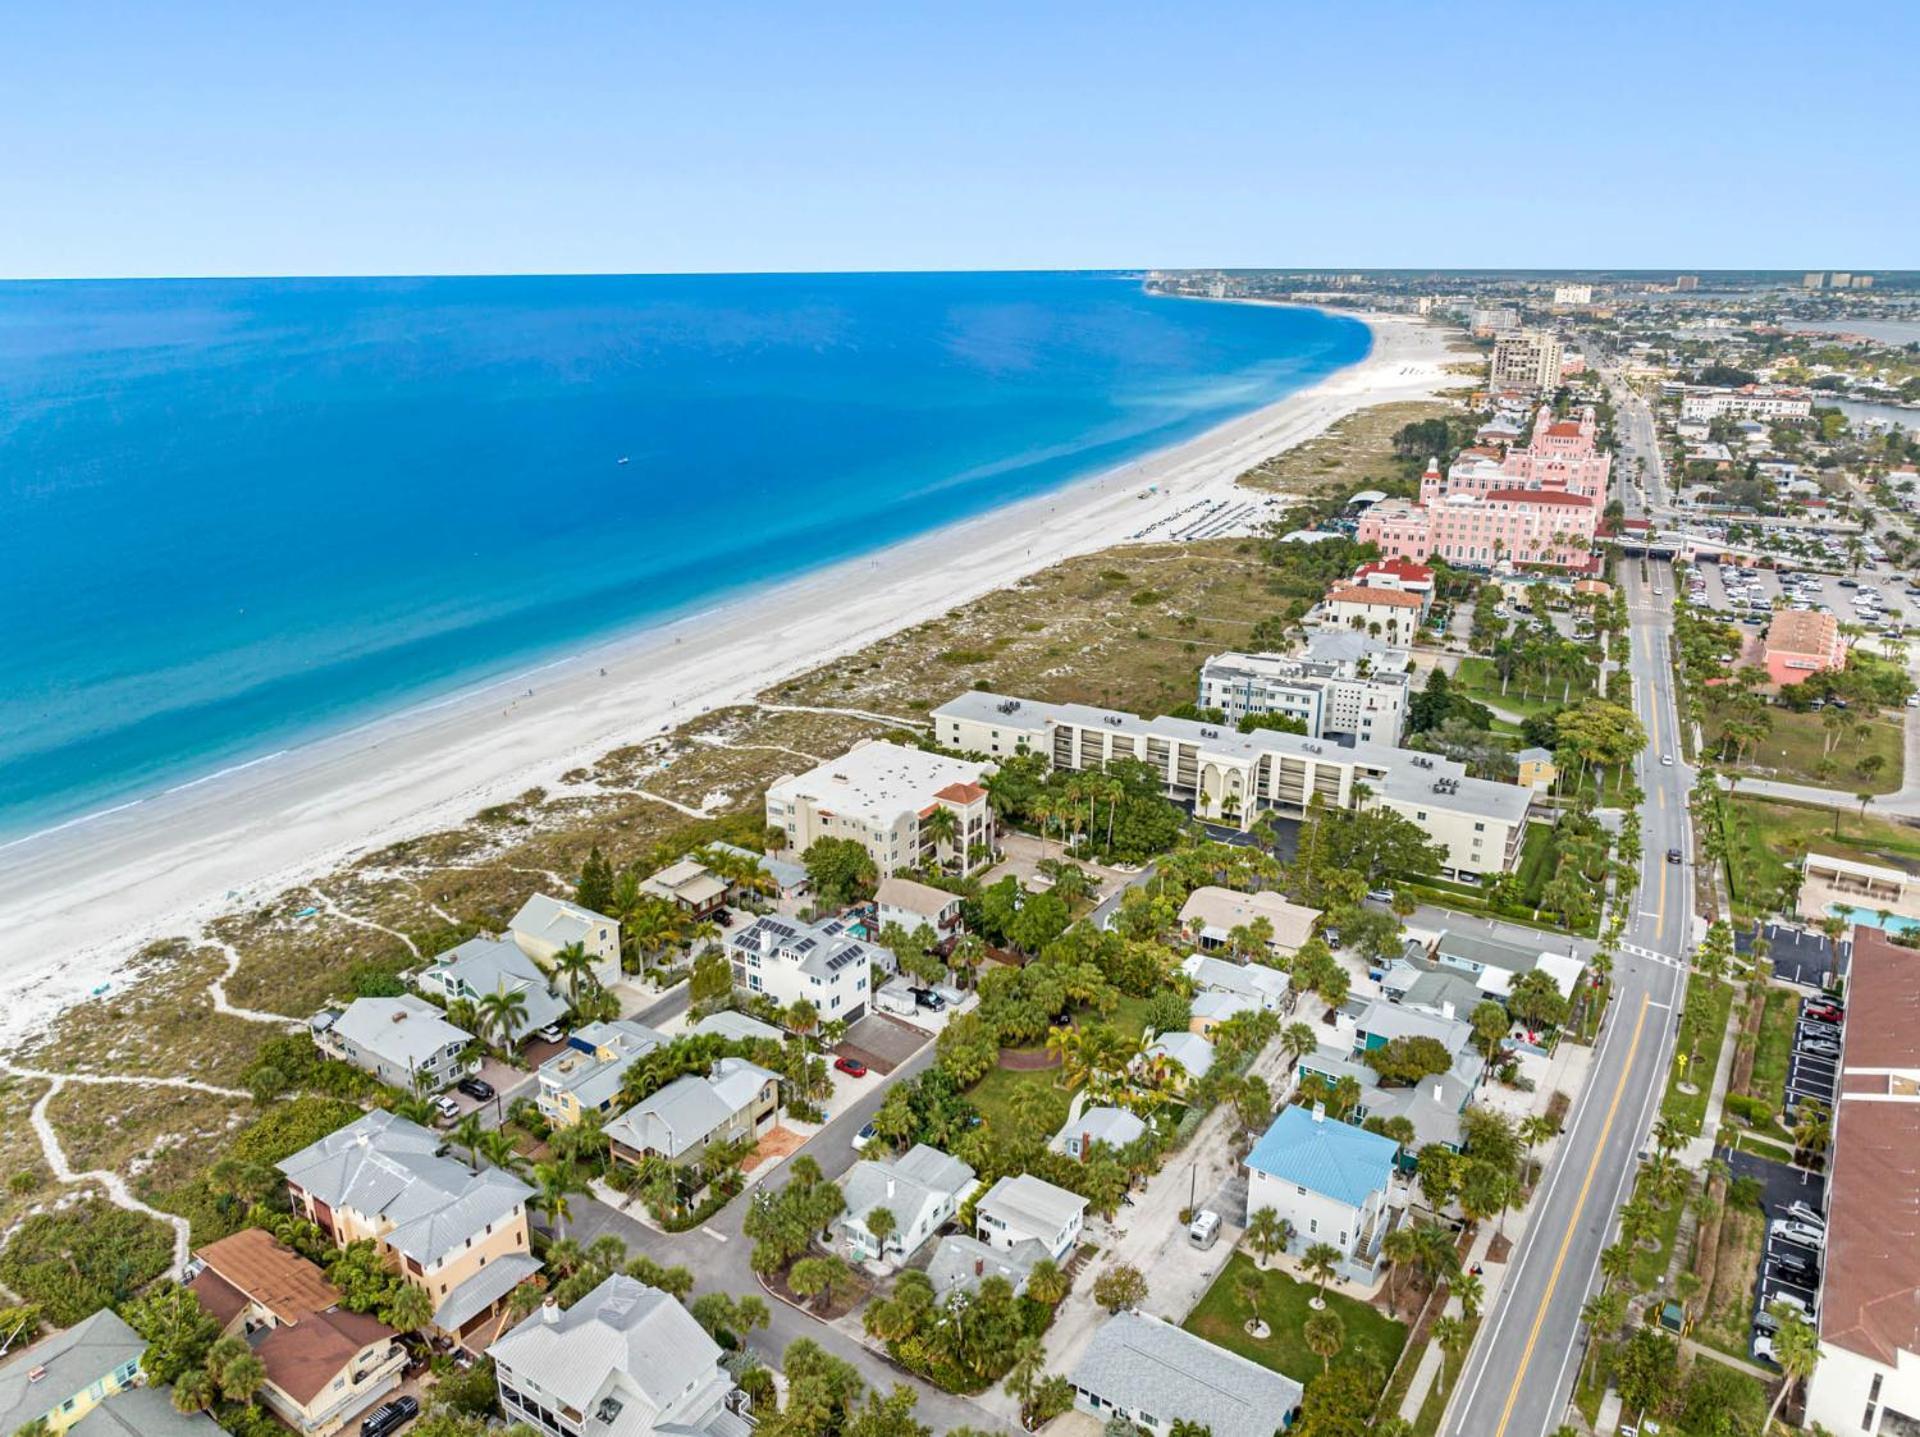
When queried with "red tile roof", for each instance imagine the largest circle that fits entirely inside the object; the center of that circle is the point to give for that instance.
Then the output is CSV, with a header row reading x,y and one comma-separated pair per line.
x,y
1541,496
962,793
1868,1304
1354,594
1801,631
1565,429
1404,569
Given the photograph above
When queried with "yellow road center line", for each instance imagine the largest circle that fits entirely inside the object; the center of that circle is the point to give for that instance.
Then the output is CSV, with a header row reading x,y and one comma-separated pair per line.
x,y
1573,1222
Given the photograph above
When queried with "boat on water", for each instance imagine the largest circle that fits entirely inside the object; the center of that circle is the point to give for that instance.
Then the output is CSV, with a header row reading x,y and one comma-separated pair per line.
x,y
623,459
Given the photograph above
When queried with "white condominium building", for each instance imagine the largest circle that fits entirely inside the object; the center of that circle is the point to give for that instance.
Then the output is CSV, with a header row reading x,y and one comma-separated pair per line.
x,y
1752,402
883,795
1526,359
1228,777
1346,683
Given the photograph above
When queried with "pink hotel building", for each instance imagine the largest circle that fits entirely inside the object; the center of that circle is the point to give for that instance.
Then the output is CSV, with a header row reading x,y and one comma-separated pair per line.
x,y
1538,505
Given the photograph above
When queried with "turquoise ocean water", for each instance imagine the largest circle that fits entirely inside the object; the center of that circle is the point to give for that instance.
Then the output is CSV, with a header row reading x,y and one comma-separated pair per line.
x,y
238,514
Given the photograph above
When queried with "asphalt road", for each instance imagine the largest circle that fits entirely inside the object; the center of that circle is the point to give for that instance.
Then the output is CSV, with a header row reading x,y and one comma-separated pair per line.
x,y
1519,1376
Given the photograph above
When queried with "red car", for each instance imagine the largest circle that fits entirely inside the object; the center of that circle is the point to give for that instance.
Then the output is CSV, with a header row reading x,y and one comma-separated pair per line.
x,y
1824,1012
852,1067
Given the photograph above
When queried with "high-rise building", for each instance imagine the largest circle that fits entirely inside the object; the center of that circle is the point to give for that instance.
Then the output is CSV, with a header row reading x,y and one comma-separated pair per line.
x,y
1816,280
1863,281
1528,359
1839,279
1687,281
1573,294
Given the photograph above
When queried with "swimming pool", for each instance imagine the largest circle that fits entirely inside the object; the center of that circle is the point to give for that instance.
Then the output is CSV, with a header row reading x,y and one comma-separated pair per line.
x,y
1870,918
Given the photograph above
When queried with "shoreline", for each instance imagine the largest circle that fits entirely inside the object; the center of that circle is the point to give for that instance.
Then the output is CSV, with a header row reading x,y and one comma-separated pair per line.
x,y
79,898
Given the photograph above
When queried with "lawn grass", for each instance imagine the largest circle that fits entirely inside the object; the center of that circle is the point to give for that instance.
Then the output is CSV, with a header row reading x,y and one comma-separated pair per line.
x,y
1766,838
1537,862
1793,749
1220,1318
1478,679
1427,1421
1650,1264
1688,1111
992,1096
1774,1048
1725,1322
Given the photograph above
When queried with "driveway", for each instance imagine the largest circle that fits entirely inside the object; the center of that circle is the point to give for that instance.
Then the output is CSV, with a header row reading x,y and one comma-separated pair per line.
x,y
882,1042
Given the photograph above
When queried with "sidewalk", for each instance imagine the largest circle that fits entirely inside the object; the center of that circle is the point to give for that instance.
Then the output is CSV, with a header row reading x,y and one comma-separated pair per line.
x,y
1493,1276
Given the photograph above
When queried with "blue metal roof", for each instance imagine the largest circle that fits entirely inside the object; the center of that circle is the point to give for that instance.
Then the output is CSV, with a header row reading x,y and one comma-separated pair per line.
x,y
1334,1159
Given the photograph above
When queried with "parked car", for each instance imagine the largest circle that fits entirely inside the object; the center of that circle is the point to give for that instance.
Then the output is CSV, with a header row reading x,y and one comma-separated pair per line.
x,y
1795,1304
475,1088
1763,1344
446,1107
1793,1270
389,1417
866,1135
1804,1212
553,1033
1804,1233
928,999
1818,1047
852,1067
1825,1012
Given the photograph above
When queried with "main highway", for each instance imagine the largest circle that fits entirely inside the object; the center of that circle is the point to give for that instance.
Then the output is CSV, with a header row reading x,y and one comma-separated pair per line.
x,y
1519,1376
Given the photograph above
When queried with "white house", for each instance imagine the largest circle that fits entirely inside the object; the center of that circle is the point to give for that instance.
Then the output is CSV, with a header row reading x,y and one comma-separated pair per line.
x,y
1021,1207
625,1359
483,966
1330,1180
405,1041
789,959
1187,1051
913,905
922,1189
1268,987
1116,1127
882,796
1147,1372
1210,915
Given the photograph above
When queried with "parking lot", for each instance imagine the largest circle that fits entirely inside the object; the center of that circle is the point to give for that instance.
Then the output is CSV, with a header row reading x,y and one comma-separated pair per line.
x,y
1813,1070
1807,960
1789,1269
1877,598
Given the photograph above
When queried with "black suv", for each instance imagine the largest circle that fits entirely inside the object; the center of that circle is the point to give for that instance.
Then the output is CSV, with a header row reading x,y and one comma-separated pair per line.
x,y
389,1416
475,1088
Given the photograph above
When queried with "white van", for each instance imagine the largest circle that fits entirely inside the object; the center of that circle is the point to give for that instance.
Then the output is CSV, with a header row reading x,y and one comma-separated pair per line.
x,y
1204,1230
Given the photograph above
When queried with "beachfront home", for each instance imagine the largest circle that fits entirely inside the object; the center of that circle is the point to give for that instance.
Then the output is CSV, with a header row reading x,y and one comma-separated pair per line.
x,y
884,796
458,1235
1330,1180
325,1365
922,1190
61,1378
915,905
1021,1207
1230,777
626,1360
585,1076
1215,918
1116,1127
484,966
689,886
405,1042
733,1102
788,959
1148,1373
1268,987
545,925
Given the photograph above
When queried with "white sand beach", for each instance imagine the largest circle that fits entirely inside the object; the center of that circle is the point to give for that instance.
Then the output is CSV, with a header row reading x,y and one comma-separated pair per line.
x,y
77,901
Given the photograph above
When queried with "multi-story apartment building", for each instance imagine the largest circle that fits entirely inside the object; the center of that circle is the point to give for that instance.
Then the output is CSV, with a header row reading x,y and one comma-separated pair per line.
x,y
883,796
1489,322
457,1234
1345,684
1751,402
1526,359
789,959
1573,294
1230,777
1390,614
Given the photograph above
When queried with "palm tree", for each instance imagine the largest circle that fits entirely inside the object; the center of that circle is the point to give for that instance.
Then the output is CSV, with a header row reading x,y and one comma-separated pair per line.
x,y
498,1149
408,1310
554,1183
1796,1350
502,1012
572,964
941,826
1048,1283
1248,1285
1326,1334
1029,1362
1453,1334
1471,1292
467,1133
1268,1233
1320,1261
1400,1245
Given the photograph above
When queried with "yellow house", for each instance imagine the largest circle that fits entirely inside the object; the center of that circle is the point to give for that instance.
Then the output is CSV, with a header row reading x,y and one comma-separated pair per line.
x,y
459,1235
1538,771
60,1379
586,1075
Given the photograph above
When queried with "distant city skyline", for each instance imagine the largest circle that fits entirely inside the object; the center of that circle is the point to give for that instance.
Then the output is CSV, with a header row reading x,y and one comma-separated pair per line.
x,y
220,139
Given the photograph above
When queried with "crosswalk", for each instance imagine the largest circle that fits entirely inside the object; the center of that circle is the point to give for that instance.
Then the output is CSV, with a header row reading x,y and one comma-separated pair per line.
x,y
1666,960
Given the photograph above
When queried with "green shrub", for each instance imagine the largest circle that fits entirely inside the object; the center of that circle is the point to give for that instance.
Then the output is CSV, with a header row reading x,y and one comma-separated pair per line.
x,y
89,1256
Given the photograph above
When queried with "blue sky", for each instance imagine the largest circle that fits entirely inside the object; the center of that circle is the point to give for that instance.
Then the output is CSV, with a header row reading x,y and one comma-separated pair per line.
x,y
198,138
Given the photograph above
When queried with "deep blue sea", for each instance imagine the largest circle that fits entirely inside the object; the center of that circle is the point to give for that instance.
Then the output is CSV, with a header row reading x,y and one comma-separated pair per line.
x,y
236,514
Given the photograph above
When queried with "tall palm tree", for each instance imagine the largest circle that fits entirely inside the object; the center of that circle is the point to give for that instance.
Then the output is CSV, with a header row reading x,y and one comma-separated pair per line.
x,y
1267,1233
1326,1334
1452,1333
554,1184
1320,1260
498,1148
467,1133
1400,1245
941,827
573,965
1796,1350
502,1012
